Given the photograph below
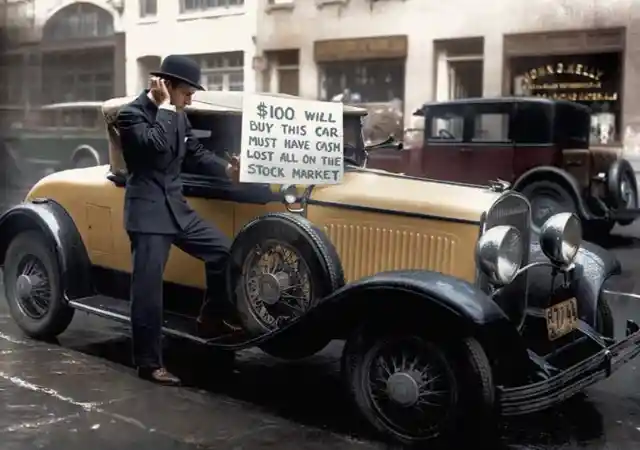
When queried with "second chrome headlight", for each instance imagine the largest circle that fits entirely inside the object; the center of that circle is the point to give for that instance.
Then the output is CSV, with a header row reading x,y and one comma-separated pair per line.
x,y
499,254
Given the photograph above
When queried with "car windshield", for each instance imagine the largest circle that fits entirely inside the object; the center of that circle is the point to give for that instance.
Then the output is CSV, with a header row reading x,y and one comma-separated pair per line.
x,y
222,134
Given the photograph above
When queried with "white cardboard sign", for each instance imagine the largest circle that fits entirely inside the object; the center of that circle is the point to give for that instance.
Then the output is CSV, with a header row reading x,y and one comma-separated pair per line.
x,y
291,141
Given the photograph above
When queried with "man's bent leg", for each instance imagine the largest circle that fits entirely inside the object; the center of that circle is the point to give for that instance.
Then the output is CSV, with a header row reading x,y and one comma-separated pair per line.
x,y
209,244
149,253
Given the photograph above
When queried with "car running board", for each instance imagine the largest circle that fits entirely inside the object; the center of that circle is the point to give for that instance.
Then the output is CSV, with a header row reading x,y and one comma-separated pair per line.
x,y
175,325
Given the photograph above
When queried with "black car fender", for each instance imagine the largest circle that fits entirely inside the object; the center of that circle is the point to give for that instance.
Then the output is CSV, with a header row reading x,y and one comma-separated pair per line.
x,y
617,168
51,219
592,267
441,304
565,179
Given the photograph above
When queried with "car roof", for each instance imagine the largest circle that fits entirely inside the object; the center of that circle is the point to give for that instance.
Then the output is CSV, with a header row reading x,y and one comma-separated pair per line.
x,y
500,100
218,102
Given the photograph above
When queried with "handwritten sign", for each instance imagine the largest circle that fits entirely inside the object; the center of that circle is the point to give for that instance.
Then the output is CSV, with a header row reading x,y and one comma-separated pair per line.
x,y
291,141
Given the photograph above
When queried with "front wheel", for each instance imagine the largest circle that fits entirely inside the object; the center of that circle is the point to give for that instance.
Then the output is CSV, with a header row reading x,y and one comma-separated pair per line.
x,y
33,287
416,391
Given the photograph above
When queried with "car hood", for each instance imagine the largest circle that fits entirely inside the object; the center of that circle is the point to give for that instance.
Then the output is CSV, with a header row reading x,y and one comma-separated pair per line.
x,y
384,191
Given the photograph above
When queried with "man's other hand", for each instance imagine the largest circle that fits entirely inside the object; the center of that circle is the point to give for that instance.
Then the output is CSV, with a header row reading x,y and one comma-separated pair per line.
x,y
233,169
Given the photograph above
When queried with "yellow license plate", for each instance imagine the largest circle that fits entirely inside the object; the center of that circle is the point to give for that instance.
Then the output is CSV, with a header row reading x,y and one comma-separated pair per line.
x,y
562,318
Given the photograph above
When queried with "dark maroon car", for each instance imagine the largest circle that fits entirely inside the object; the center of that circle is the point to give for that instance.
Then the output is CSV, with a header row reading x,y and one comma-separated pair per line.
x,y
541,147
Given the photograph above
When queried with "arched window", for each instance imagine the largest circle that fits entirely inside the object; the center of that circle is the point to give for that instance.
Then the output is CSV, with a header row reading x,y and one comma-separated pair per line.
x,y
79,21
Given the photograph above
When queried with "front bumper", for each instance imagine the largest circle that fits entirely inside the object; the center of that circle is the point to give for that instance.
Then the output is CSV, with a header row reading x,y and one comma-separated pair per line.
x,y
538,396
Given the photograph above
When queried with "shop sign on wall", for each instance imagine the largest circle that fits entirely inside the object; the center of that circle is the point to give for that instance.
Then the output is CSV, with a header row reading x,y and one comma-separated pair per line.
x,y
568,81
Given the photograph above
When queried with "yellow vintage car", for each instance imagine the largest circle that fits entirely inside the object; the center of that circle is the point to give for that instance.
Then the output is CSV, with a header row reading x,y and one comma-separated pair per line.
x,y
453,311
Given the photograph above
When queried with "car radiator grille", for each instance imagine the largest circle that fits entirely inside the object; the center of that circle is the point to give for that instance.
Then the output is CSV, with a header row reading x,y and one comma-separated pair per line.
x,y
510,209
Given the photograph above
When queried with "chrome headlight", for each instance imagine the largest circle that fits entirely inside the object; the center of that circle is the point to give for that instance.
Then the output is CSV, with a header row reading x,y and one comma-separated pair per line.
x,y
499,253
561,237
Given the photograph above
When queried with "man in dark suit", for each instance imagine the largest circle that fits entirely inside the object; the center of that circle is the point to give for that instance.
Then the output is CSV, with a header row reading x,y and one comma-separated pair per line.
x,y
157,143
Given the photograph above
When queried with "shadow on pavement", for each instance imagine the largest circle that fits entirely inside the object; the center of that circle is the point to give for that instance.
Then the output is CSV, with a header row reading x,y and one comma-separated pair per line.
x,y
310,393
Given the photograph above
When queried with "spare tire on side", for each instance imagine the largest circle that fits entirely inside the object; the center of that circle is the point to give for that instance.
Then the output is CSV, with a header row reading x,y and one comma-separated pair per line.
x,y
282,266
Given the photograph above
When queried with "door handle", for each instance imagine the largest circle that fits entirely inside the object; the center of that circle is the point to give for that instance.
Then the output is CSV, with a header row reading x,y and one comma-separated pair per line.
x,y
465,150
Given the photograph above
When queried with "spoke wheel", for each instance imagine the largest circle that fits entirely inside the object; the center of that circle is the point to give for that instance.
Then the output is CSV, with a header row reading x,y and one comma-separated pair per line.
x,y
282,267
278,284
33,286
415,391
410,385
33,290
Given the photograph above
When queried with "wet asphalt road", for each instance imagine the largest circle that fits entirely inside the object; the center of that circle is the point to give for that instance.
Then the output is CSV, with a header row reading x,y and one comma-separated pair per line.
x,y
81,392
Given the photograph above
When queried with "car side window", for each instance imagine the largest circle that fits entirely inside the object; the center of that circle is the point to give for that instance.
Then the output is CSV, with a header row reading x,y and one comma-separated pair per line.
x,y
221,134
491,127
446,127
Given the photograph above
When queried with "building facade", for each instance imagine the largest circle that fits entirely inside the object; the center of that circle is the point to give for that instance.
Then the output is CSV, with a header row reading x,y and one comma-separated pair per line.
x,y
62,51
407,52
219,34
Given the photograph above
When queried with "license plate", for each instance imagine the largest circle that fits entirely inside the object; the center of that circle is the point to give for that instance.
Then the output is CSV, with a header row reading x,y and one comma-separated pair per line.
x,y
562,318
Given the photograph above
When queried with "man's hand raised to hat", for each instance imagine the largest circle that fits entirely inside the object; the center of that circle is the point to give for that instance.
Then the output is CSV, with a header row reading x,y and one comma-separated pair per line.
x,y
159,91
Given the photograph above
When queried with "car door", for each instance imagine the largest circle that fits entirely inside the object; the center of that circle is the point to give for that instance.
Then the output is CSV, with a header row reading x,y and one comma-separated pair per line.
x,y
444,153
489,153
206,195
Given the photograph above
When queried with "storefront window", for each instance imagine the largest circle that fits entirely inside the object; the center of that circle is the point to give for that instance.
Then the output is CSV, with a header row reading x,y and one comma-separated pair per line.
x,y
592,80
377,85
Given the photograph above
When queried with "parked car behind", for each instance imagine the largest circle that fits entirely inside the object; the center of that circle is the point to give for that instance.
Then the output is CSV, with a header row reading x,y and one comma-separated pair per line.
x,y
540,146
50,138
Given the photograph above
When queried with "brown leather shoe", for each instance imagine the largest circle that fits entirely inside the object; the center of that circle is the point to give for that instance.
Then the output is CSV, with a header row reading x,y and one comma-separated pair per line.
x,y
160,376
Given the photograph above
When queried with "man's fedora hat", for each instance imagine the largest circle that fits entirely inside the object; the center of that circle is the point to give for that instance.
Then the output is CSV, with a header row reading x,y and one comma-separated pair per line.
x,y
181,68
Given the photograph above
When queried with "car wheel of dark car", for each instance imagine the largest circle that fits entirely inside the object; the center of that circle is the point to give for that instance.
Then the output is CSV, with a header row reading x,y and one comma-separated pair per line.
x,y
604,318
628,193
84,161
416,391
33,287
283,266
547,198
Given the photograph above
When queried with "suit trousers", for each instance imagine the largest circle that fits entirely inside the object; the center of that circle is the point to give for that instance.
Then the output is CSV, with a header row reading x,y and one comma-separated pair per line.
x,y
150,253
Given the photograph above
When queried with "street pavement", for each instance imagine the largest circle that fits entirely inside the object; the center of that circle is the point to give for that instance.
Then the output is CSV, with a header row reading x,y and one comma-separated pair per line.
x,y
81,392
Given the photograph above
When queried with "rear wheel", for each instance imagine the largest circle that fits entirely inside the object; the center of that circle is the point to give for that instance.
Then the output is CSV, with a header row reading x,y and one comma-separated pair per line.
x,y
33,287
416,391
